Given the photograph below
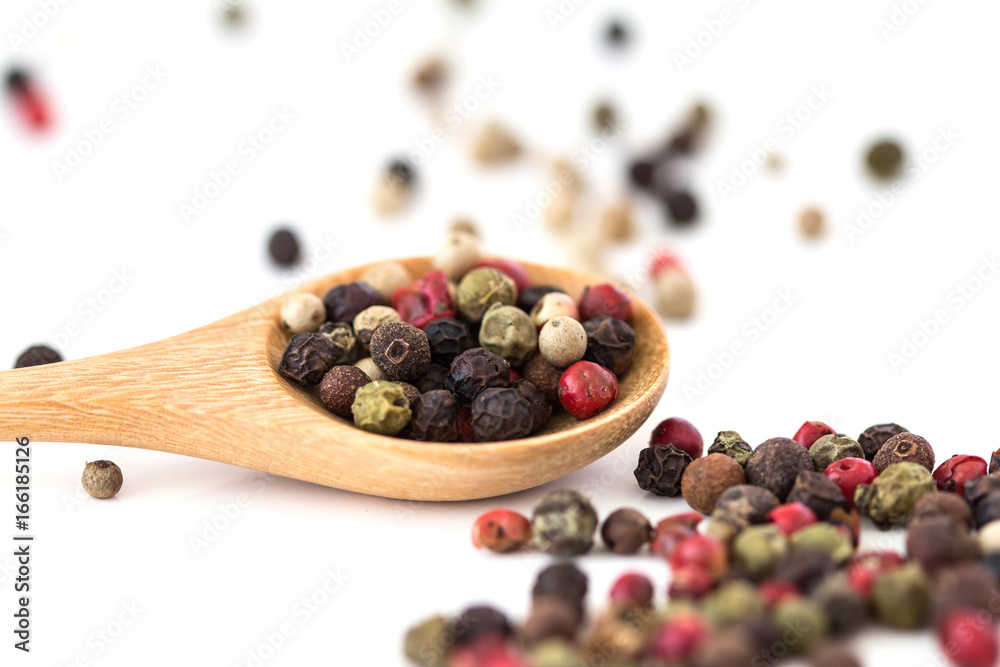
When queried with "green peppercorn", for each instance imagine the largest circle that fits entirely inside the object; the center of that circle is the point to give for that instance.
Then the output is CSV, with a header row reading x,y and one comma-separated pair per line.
x,y
483,287
555,653
427,643
507,331
834,447
733,602
381,407
891,496
758,549
805,622
732,445
827,537
902,597
564,523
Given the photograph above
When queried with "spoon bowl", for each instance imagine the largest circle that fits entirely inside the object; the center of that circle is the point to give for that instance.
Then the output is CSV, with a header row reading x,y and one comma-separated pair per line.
x,y
215,393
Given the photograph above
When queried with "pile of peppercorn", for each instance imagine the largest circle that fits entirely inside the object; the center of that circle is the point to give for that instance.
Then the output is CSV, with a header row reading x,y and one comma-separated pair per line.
x,y
779,550
414,368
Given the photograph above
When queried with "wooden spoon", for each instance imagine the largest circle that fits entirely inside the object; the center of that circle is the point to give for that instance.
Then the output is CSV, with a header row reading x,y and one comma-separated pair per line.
x,y
215,393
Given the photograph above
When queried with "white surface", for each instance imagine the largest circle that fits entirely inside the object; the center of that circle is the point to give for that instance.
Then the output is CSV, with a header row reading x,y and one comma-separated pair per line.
x,y
826,358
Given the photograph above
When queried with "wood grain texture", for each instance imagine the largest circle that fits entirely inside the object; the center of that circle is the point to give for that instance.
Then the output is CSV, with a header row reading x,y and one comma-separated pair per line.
x,y
215,393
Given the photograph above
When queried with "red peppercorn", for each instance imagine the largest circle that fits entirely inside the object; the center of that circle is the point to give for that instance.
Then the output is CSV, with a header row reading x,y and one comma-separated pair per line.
x,y
514,375
501,531
605,301
632,590
489,651
849,474
701,551
586,388
465,431
968,640
678,638
513,270
810,432
691,582
864,569
956,472
681,434
791,517
775,592
670,531
28,99
424,300
664,260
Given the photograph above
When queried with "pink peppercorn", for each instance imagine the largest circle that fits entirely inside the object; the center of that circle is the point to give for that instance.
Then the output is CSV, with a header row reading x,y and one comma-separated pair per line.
x,y
586,388
605,301
501,531
701,551
791,517
849,474
670,531
691,582
681,434
486,652
664,260
424,300
810,432
864,569
512,270
678,638
956,472
632,590
775,592
968,640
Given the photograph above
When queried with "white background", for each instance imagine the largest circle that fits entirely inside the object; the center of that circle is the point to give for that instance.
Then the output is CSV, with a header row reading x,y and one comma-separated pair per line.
x,y
827,358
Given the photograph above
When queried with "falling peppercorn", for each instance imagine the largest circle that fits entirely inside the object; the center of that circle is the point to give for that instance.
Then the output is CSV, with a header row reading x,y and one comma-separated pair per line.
x,y
284,247
885,158
101,479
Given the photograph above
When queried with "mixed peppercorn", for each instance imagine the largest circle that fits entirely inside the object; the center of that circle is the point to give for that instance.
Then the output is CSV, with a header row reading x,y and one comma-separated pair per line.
x,y
773,545
470,352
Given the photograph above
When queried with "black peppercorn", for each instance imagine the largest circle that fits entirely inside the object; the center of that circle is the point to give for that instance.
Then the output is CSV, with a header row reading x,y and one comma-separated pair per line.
x,y
966,586
661,469
551,617
284,248
38,355
904,447
344,302
747,503
540,406
846,611
941,503
502,414
938,542
528,297
617,34
409,390
563,580
306,359
776,463
401,351
435,417
434,378
995,461
610,343
885,158
339,386
401,173
817,492
482,621
805,567
987,509
475,370
875,436
543,375
682,207
642,173
981,487
448,338
626,530
16,80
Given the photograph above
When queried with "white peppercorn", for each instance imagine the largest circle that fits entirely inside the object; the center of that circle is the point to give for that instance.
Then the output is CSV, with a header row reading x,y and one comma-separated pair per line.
x,y
370,319
371,370
675,294
553,304
562,341
616,223
989,537
302,312
458,254
495,145
386,278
